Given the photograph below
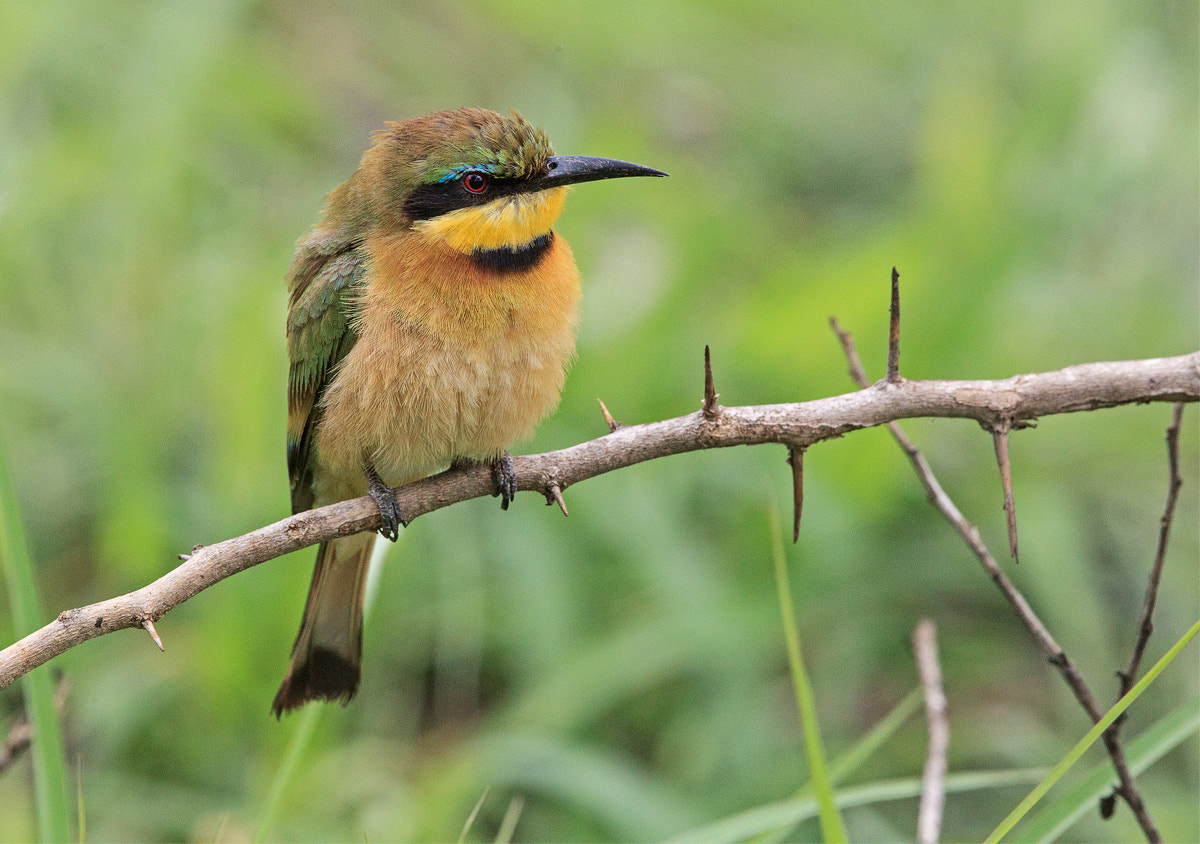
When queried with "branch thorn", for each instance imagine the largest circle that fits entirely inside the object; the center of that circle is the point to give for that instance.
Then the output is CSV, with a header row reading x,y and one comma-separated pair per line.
x,y
612,424
185,557
711,409
1000,439
795,459
554,494
148,625
893,359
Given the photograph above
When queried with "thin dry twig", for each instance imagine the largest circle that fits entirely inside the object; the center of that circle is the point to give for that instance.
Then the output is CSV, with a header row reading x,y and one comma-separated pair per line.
x,y
1146,625
933,783
19,739
1055,654
21,734
798,425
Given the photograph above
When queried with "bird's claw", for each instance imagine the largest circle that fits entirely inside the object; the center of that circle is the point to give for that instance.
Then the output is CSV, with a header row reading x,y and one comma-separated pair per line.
x,y
504,476
390,517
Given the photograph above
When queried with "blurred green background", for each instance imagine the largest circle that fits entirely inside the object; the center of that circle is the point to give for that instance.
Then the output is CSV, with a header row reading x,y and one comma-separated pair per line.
x,y
1030,167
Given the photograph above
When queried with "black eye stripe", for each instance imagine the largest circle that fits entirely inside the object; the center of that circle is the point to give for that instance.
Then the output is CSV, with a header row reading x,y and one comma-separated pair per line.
x,y
428,201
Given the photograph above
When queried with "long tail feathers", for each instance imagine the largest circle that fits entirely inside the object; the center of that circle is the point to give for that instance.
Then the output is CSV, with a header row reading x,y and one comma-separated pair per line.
x,y
327,656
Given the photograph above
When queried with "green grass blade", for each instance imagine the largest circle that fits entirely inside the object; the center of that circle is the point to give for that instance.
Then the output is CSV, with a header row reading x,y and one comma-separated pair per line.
x,y
1057,817
508,824
297,746
81,811
760,819
306,726
462,836
833,830
49,762
849,760
1057,772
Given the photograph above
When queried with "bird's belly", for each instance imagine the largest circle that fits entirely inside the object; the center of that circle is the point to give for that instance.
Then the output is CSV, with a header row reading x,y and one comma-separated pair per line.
x,y
408,403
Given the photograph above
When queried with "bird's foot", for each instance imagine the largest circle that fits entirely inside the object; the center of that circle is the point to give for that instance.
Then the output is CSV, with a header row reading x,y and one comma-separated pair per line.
x,y
504,476
390,517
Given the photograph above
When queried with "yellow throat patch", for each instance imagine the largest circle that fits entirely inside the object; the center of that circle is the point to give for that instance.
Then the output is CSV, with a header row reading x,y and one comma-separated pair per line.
x,y
510,221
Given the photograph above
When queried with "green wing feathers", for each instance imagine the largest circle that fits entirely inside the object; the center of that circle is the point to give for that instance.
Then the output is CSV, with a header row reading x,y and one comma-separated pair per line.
x,y
320,331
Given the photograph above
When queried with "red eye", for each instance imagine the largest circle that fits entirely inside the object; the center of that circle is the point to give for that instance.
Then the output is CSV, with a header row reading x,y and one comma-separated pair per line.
x,y
475,182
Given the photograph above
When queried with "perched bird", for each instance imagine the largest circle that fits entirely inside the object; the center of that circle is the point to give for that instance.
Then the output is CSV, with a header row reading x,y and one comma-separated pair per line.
x,y
431,320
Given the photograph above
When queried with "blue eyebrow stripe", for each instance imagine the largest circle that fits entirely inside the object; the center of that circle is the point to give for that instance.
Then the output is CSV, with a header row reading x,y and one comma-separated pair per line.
x,y
458,172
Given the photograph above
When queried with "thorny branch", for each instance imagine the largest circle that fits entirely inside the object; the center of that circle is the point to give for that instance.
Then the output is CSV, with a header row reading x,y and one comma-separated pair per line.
x,y
797,426
1126,789
998,405
970,534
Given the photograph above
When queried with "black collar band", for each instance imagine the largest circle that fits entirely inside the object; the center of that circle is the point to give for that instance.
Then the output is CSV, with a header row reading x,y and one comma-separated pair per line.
x,y
513,259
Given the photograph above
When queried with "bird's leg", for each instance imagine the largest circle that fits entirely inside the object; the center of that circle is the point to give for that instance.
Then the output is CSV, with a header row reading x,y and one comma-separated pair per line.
x,y
389,511
504,476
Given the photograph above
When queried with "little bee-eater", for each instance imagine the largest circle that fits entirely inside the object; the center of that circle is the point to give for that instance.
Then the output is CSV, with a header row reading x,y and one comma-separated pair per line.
x,y
431,321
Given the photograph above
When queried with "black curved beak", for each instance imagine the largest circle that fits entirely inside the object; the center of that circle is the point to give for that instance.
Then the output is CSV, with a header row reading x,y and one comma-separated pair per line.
x,y
572,169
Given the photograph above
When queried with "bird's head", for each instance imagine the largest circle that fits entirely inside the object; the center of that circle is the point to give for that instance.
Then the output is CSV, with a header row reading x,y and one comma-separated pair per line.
x,y
474,179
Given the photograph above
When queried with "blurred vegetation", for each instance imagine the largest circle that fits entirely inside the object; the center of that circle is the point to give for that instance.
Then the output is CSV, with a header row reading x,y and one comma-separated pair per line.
x,y
1030,167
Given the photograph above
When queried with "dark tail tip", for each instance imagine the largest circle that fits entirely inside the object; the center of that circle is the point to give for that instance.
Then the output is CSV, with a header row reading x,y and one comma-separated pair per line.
x,y
323,675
